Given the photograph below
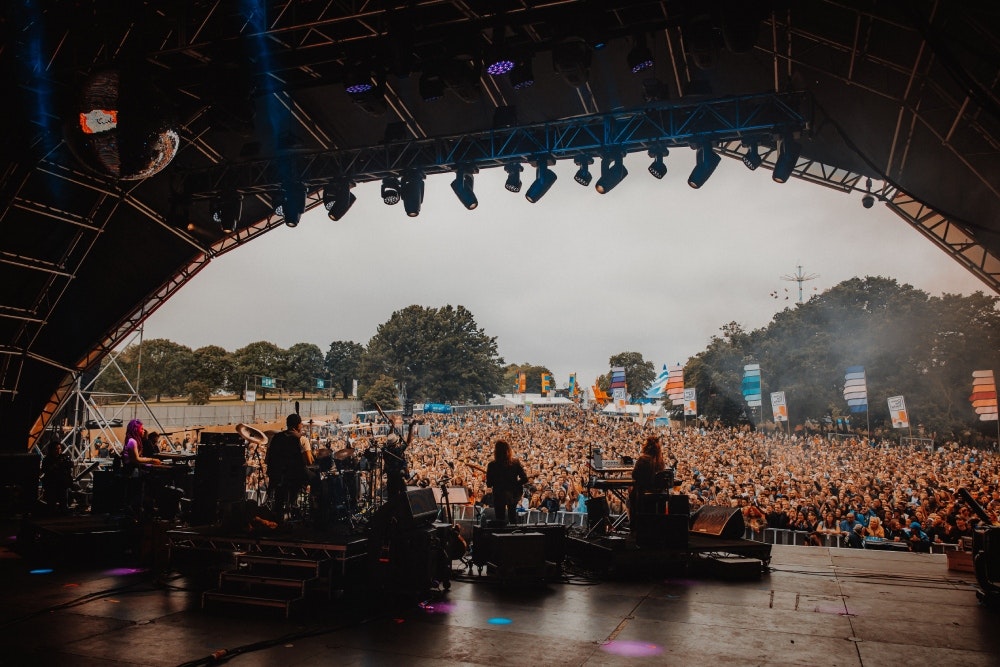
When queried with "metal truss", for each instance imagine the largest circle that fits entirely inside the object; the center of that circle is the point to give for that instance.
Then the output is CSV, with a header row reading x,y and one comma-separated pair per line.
x,y
758,116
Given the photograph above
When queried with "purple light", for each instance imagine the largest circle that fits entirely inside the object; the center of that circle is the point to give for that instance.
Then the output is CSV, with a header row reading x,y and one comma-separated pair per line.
x,y
438,607
358,88
500,67
645,64
124,571
632,649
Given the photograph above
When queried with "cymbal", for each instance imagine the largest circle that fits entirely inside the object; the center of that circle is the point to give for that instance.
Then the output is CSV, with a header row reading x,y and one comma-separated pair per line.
x,y
251,434
344,454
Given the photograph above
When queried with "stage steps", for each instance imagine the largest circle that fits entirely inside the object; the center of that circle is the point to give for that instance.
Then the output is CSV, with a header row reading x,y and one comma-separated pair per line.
x,y
281,582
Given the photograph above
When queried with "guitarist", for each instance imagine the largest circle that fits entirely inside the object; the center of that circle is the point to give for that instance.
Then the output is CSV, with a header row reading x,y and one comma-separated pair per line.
x,y
395,460
506,476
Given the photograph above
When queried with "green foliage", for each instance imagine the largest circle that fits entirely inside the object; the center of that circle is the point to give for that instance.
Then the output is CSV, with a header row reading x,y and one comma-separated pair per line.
x,y
199,393
214,366
924,348
438,353
532,378
383,391
343,363
639,373
261,358
304,366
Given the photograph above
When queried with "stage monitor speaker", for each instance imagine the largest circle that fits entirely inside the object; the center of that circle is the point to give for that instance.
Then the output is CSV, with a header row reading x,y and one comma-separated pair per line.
x,y
211,438
598,515
219,478
484,541
519,550
718,522
421,505
18,482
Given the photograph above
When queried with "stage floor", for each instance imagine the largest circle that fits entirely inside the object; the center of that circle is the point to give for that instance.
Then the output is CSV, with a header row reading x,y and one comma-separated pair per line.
x,y
817,606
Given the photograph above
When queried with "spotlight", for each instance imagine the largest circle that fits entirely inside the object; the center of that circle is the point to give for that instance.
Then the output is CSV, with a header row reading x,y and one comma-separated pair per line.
x,y
658,168
707,161
338,198
499,60
640,57
412,192
513,170
390,190
544,178
358,83
522,77
571,60
868,200
462,186
583,175
291,203
612,172
752,158
227,211
431,86
788,155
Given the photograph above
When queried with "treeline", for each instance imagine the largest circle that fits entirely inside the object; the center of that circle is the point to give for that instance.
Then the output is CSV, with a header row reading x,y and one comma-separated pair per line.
x,y
911,344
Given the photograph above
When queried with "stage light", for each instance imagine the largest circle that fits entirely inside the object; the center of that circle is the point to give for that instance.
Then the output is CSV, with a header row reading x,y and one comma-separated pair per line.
x,y
788,155
412,192
707,161
226,212
431,85
752,158
640,57
338,198
498,58
613,171
358,83
868,200
291,203
583,175
658,168
390,190
461,74
513,170
462,186
544,178
571,60
523,76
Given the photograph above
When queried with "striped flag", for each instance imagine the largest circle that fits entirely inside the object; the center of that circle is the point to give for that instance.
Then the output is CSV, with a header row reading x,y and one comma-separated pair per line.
x,y
750,385
984,395
856,389
675,385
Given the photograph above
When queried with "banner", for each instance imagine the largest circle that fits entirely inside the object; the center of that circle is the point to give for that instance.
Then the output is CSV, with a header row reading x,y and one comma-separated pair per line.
x,y
573,391
690,402
856,389
522,382
984,395
251,396
618,377
618,394
354,389
675,385
779,411
750,386
897,412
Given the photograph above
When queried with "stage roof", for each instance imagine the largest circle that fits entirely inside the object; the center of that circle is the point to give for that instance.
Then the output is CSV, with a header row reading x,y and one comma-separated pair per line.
x,y
95,237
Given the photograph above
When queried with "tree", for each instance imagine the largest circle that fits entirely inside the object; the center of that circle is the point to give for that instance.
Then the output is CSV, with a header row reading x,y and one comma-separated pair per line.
x,y
214,367
256,360
199,393
165,367
343,362
639,373
383,391
438,353
304,366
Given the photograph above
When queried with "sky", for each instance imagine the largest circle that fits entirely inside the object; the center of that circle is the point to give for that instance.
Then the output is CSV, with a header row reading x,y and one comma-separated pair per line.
x,y
654,267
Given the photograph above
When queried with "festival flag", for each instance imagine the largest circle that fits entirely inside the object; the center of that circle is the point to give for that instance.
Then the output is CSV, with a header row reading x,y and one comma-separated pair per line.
x,y
779,409
750,386
573,390
984,395
675,385
546,383
618,377
897,412
690,402
856,389
601,397
522,382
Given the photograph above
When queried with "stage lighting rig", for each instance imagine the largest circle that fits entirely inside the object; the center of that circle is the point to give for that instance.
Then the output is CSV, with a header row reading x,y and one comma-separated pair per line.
x,y
544,178
705,165
412,191
513,170
583,175
462,186
338,198
390,190
658,167
291,203
613,171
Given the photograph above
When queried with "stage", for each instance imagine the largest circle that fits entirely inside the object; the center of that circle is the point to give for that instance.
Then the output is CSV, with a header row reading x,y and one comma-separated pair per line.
x,y
815,606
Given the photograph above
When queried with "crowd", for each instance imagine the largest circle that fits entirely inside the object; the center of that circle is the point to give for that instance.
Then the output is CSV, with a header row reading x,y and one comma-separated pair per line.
x,y
848,486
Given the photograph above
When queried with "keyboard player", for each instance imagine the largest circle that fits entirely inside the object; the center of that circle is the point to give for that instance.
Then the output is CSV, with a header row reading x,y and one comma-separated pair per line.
x,y
644,474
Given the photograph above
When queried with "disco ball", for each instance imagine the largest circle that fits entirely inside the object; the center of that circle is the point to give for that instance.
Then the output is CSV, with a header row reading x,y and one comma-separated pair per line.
x,y
123,128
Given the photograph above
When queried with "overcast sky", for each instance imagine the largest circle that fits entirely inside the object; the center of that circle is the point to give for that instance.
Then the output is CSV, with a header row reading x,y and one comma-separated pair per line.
x,y
653,267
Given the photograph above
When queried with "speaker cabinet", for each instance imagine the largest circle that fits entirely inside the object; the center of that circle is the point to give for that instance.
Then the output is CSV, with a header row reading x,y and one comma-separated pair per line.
x,y
665,531
219,479
484,542
518,551
719,522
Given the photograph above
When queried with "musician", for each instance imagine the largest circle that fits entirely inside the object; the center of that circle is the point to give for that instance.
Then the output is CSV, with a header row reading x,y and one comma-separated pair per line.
x,y
649,463
57,475
151,444
506,477
133,459
394,458
287,458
